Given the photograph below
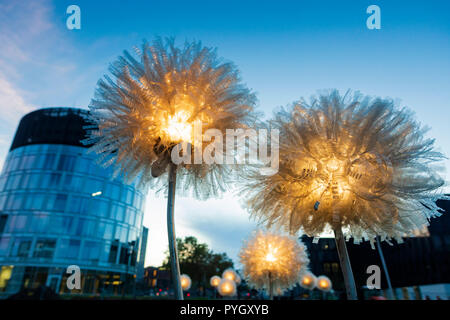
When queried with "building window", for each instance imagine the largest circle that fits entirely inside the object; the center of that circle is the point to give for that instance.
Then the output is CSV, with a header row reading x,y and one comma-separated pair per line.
x,y
326,268
68,249
49,161
3,220
4,245
60,202
66,163
21,247
113,253
44,248
91,250
335,267
5,275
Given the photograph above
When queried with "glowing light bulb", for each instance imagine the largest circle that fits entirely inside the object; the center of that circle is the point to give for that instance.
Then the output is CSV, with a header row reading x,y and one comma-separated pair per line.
x,y
214,281
227,287
270,257
324,283
178,127
229,274
333,164
185,282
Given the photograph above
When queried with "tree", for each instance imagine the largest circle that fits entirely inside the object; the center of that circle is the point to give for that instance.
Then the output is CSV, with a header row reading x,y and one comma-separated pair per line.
x,y
198,261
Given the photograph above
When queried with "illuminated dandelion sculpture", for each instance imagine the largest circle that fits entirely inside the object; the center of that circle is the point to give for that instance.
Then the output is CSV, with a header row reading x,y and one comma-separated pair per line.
x,y
308,281
186,282
354,164
273,262
160,108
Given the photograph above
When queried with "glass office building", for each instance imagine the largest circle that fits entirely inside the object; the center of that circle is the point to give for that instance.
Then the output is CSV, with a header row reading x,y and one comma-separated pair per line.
x,y
59,208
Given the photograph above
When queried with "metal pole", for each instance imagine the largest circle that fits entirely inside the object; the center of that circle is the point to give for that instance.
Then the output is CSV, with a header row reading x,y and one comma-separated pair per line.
x,y
175,266
386,273
270,286
349,281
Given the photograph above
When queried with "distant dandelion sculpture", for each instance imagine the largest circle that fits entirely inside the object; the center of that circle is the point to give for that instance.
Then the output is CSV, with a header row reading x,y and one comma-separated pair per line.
x,y
186,282
353,163
272,261
214,281
227,288
154,106
308,281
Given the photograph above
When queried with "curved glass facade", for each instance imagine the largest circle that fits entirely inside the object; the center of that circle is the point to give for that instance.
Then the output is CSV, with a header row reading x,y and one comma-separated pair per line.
x,y
59,208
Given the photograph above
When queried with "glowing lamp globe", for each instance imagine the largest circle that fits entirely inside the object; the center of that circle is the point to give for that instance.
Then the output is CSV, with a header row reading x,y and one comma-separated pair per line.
x,y
308,281
227,288
185,282
273,261
229,274
214,281
324,283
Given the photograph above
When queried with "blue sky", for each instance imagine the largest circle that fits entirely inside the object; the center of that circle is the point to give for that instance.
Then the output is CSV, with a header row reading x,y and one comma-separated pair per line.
x,y
285,50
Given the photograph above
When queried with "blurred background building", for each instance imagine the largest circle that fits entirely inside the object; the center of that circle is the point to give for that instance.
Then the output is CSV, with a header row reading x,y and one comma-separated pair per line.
x,y
59,208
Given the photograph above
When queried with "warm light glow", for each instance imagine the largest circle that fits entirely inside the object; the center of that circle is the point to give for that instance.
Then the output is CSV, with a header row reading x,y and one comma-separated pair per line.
x,y
185,282
282,257
333,165
270,257
323,283
308,281
214,281
229,274
178,128
227,287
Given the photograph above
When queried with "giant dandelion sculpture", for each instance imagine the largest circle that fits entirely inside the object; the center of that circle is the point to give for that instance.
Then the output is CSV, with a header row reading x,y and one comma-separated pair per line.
x,y
273,261
357,165
160,107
